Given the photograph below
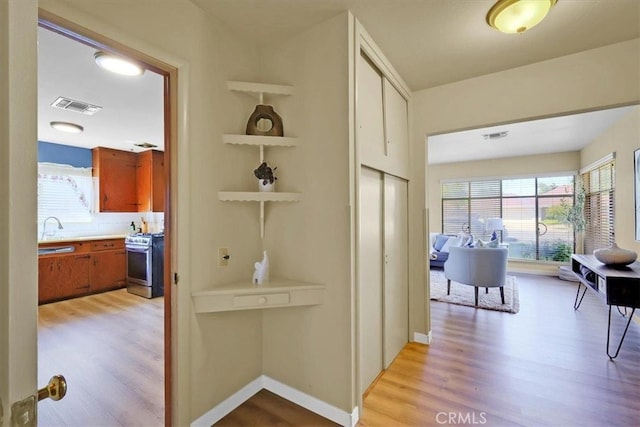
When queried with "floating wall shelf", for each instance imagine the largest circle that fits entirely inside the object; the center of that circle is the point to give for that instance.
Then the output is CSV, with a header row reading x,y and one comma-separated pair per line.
x,y
244,295
259,140
249,196
260,88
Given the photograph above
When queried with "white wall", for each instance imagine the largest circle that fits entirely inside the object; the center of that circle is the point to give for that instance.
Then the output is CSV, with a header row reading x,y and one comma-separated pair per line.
x,y
308,348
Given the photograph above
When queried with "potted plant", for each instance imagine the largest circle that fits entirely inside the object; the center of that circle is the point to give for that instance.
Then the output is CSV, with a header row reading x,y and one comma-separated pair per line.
x,y
266,177
575,216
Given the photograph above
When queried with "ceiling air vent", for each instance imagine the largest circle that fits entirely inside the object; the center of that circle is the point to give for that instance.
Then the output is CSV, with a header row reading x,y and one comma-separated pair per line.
x,y
145,145
495,135
77,106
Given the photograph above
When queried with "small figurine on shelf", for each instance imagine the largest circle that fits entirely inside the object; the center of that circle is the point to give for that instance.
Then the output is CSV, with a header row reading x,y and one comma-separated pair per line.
x,y
261,273
266,177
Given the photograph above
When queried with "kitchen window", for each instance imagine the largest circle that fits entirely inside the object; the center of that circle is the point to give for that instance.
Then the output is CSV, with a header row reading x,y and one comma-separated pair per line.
x,y
66,192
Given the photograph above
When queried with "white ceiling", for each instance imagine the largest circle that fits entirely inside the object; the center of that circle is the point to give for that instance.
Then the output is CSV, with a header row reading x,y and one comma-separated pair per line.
x,y
132,107
552,135
430,42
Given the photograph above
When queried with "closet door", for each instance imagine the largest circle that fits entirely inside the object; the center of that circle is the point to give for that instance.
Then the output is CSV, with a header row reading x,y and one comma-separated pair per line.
x,y
396,125
396,276
371,275
370,114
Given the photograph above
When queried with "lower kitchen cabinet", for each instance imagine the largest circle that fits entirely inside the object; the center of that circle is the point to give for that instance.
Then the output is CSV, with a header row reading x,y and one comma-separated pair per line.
x,y
107,270
63,276
91,267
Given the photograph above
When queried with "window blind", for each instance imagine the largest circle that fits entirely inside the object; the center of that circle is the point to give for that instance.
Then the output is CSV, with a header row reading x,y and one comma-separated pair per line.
x,y
65,192
599,186
533,210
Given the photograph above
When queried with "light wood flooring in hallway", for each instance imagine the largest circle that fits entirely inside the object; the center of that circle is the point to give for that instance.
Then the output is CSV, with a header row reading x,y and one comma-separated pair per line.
x,y
110,348
544,366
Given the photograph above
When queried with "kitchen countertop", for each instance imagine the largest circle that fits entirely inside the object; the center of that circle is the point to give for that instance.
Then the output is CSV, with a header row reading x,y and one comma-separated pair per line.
x,y
82,238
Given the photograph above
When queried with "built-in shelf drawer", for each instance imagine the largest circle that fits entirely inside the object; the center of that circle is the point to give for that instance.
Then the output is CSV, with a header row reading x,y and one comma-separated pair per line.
x,y
247,296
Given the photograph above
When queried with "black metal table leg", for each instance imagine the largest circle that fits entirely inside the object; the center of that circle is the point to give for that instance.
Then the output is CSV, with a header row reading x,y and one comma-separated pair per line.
x,y
609,332
576,303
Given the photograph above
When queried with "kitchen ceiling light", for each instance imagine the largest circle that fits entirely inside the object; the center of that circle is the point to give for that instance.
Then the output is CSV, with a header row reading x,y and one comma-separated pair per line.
x,y
517,16
117,64
67,127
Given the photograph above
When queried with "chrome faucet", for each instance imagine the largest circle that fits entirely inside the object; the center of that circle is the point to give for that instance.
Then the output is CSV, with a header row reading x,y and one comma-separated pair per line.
x,y
44,225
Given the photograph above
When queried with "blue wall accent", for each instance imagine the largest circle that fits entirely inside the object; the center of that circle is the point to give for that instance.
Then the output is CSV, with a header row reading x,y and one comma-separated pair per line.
x,y
64,154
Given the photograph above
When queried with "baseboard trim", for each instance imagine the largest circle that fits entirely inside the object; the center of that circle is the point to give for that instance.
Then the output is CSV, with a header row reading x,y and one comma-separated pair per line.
x,y
421,338
307,401
229,404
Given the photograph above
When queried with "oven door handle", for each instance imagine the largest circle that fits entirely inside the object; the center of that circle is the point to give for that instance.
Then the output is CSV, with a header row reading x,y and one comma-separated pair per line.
x,y
139,249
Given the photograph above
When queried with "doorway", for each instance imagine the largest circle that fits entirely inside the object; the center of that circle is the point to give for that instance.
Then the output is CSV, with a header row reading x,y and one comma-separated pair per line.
x,y
118,309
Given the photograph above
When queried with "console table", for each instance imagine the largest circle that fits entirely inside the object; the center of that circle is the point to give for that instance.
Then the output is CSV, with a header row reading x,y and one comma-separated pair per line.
x,y
619,286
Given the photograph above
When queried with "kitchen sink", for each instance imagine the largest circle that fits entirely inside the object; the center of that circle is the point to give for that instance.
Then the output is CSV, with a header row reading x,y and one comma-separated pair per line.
x,y
56,250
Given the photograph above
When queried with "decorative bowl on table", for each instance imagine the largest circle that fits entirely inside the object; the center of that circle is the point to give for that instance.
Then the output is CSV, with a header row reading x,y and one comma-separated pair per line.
x,y
615,256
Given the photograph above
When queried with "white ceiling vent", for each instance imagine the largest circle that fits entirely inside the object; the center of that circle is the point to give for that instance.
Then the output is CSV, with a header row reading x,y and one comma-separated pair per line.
x,y
495,135
77,106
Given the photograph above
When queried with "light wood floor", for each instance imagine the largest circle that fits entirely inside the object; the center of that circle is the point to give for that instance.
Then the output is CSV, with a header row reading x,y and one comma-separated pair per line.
x,y
109,347
544,366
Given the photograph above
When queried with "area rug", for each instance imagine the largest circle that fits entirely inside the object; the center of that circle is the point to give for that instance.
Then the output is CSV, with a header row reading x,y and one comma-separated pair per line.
x,y
464,294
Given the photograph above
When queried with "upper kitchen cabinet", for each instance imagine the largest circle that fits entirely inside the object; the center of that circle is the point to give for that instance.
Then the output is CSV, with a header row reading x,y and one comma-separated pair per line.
x,y
151,183
129,182
116,171
382,116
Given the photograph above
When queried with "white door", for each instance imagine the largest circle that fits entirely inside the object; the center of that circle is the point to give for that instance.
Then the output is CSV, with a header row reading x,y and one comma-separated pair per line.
x,y
371,275
18,262
370,114
396,125
396,277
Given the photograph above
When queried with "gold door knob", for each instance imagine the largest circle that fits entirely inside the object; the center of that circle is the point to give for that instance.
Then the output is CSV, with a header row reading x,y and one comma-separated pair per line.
x,y
55,390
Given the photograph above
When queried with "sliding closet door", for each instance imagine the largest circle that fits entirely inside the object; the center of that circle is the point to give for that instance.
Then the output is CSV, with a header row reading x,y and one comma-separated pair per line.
x,y
396,276
371,275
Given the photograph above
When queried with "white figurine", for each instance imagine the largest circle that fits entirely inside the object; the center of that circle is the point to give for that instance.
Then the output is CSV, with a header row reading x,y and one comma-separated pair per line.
x,y
261,273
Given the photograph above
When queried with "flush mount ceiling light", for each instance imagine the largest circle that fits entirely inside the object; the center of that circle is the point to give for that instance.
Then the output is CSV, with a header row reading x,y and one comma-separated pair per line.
x,y
118,64
517,16
67,127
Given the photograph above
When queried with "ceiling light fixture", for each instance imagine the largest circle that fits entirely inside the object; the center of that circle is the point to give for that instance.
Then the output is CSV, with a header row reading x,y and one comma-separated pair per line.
x,y
67,127
517,16
118,64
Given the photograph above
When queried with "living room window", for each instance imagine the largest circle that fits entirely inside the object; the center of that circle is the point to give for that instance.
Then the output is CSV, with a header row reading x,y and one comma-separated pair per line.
x,y
599,186
533,211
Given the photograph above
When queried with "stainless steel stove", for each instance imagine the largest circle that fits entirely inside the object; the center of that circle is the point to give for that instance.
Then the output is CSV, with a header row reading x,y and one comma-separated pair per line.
x,y
145,264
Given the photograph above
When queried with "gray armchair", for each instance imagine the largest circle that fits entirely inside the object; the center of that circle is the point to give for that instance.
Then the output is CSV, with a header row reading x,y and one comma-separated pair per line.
x,y
478,267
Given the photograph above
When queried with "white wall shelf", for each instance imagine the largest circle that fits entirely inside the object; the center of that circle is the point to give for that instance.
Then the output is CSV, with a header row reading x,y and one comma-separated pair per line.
x,y
260,88
244,295
257,196
259,140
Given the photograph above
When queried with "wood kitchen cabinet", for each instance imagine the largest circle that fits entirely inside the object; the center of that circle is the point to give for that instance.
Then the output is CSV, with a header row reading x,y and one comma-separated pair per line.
x,y
116,171
150,181
92,266
63,275
108,264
